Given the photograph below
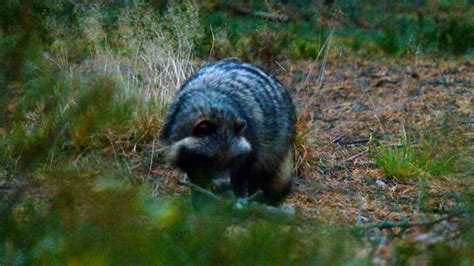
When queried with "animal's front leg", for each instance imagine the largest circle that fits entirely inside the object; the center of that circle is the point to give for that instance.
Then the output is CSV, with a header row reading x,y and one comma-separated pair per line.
x,y
239,184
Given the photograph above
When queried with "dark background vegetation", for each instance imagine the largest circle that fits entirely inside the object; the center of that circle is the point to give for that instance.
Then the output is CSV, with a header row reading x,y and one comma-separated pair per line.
x,y
84,87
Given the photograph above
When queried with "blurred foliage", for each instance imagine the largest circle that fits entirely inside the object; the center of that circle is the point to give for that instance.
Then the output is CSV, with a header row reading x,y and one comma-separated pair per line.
x,y
396,28
95,217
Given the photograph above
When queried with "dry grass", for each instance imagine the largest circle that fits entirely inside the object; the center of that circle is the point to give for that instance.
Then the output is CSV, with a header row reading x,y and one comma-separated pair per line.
x,y
305,146
147,55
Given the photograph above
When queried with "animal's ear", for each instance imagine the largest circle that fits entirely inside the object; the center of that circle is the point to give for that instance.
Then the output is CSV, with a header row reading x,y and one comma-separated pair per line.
x,y
203,128
239,126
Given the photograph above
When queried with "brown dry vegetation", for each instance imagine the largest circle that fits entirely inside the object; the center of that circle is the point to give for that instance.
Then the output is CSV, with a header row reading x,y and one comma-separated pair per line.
x,y
363,100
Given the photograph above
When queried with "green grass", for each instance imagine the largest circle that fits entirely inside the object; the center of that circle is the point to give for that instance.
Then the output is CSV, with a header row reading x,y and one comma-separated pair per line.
x,y
397,162
438,152
408,162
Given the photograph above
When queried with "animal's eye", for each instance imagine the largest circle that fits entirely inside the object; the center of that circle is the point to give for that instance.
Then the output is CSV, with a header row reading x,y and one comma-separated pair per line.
x,y
239,126
203,128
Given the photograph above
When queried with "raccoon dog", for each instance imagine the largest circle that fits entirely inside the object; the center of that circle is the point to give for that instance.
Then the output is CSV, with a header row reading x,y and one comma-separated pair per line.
x,y
231,127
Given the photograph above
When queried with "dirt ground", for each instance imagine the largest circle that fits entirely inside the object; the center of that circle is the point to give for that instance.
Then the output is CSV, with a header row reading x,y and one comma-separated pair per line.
x,y
361,100
342,113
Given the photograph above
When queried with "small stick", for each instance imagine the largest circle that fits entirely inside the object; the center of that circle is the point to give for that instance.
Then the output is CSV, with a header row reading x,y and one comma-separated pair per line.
x,y
407,224
209,193
354,142
341,163
151,157
258,14
199,189
262,208
255,195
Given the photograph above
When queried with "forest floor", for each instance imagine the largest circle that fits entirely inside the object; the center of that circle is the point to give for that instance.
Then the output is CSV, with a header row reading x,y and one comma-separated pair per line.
x,y
357,106
421,107
362,100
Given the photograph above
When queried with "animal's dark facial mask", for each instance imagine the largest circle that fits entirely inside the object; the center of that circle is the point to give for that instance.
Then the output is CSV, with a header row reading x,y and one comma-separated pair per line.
x,y
213,153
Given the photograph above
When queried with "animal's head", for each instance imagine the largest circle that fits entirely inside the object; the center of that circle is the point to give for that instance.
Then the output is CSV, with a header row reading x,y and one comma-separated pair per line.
x,y
208,145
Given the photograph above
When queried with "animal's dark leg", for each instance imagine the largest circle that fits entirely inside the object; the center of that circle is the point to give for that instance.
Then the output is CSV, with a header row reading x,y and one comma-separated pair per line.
x,y
239,182
273,196
278,185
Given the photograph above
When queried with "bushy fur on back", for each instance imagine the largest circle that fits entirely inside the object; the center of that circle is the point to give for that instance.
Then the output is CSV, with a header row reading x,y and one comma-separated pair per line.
x,y
233,122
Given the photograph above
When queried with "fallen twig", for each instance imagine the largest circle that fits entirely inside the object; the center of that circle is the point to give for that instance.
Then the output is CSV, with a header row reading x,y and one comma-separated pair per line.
x,y
406,224
200,189
355,156
151,157
254,196
209,193
366,151
352,142
250,205
256,13
341,163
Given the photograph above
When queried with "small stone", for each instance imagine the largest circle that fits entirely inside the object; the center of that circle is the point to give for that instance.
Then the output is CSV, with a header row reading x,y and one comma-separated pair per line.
x,y
380,183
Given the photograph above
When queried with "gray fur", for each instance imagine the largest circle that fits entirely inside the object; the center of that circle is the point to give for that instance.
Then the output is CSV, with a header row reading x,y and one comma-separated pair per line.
x,y
224,94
